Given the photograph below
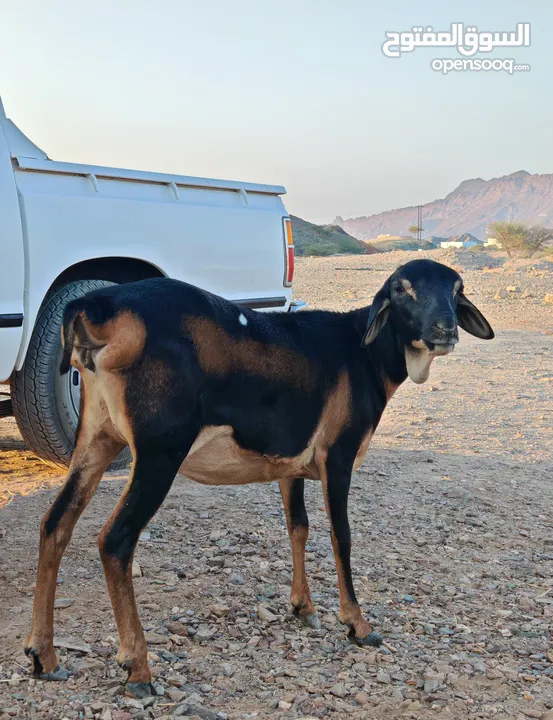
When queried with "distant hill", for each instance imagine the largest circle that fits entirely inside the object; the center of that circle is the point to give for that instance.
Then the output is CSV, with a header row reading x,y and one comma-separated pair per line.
x,y
470,208
311,239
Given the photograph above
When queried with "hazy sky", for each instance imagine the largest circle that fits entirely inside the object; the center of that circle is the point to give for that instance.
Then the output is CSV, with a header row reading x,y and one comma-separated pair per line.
x,y
293,92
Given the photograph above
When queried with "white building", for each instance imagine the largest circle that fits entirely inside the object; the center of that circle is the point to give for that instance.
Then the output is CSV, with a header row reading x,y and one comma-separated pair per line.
x,y
458,243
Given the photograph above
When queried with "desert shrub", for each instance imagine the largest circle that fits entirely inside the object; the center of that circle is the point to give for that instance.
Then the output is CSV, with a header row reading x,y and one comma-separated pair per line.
x,y
348,245
518,238
321,249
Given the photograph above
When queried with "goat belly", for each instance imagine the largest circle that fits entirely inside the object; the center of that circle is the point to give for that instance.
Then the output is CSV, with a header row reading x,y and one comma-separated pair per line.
x,y
215,458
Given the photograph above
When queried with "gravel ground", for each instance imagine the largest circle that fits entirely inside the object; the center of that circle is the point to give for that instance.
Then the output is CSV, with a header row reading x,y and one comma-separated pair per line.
x,y
453,550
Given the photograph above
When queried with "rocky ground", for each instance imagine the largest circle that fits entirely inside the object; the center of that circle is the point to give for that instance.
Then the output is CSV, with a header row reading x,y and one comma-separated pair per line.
x,y
453,550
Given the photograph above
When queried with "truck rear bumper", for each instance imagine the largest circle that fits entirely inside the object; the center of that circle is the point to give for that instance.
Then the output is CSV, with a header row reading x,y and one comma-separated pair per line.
x,y
262,303
296,305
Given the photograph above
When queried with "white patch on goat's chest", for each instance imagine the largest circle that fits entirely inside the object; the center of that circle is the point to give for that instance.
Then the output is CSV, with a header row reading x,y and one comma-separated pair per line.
x,y
242,319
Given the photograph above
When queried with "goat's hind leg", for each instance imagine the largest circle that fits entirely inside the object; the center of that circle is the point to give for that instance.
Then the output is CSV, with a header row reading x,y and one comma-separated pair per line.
x,y
155,467
298,530
93,453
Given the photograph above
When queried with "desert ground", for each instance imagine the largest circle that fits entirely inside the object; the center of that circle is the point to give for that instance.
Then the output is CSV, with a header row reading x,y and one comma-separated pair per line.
x,y
453,549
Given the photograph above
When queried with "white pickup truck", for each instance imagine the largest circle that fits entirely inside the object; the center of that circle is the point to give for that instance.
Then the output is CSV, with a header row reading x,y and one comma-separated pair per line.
x,y
67,228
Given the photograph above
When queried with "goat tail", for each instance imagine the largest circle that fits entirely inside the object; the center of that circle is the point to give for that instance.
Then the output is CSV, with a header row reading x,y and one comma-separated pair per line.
x,y
94,308
70,313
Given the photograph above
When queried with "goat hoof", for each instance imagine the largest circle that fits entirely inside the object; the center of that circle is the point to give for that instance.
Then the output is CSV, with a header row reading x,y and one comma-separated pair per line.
x,y
373,639
311,620
140,689
40,659
59,674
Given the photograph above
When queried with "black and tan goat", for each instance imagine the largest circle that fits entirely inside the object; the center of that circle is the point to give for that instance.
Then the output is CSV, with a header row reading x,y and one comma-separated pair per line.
x,y
225,395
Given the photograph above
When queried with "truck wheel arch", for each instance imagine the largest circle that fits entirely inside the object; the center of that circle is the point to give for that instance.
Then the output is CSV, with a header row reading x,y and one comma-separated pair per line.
x,y
114,269
40,401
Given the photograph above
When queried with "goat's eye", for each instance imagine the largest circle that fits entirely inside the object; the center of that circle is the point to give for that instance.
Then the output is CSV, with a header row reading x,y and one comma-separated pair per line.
x,y
399,289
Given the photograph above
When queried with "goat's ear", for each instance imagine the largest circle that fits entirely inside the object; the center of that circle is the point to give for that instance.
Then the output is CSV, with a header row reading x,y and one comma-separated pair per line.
x,y
471,319
380,309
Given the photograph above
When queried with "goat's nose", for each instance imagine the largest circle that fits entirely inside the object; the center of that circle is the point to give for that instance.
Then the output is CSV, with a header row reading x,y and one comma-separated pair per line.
x,y
447,324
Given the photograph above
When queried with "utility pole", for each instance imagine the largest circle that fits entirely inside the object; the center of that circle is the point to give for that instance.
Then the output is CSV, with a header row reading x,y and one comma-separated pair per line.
x,y
419,223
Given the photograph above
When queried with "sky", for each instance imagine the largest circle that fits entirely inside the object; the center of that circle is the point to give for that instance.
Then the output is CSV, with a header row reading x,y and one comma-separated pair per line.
x,y
295,92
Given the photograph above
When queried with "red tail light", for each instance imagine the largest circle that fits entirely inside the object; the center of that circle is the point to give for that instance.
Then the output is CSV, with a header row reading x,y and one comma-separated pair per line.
x,y
288,253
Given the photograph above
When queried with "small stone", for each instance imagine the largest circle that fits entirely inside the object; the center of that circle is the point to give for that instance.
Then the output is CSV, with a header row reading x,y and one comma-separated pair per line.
x,y
153,638
548,298
205,632
62,603
216,562
219,610
236,579
383,677
420,541
431,685
362,698
15,679
268,591
136,569
265,614
513,288
284,705
177,628
501,294
175,694
70,644
136,704
339,690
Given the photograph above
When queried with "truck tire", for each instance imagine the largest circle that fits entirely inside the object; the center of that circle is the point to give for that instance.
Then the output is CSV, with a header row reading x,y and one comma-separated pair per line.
x,y
45,403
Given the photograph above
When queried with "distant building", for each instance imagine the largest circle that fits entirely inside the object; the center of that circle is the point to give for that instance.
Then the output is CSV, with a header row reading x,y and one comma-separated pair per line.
x,y
492,242
458,244
461,242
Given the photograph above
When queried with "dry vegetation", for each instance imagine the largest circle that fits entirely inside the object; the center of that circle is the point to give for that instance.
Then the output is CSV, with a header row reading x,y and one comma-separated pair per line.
x,y
453,550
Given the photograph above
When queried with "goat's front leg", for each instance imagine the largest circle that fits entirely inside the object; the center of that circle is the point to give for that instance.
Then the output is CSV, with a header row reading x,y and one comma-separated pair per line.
x,y
336,483
298,530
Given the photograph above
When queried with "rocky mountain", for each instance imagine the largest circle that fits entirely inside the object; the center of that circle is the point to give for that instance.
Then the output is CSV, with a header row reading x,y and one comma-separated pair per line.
x,y
468,209
311,239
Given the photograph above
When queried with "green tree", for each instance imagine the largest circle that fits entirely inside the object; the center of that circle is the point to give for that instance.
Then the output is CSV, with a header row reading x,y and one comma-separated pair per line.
x,y
518,238
415,229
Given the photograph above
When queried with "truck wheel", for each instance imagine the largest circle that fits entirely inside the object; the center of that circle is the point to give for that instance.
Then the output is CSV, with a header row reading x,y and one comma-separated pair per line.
x,y
45,403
